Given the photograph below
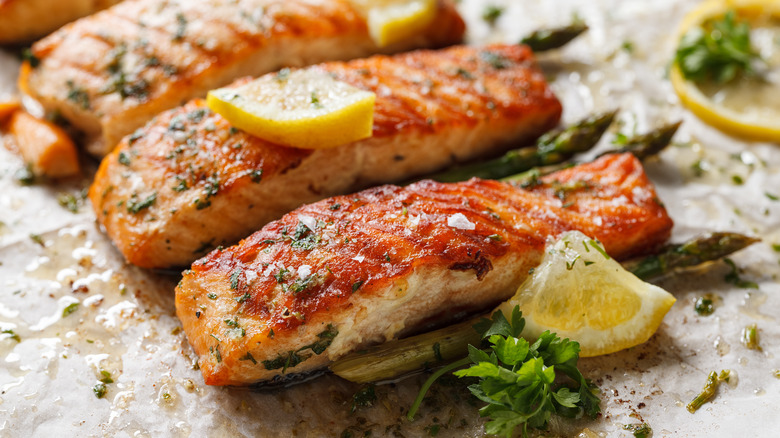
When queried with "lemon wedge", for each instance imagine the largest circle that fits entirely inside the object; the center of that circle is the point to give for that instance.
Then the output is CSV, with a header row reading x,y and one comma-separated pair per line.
x,y
580,293
305,108
747,107
391,21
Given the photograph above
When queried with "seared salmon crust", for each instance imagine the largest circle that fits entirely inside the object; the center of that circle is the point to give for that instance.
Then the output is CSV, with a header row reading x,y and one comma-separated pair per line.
x,y
188,181
110,73
26,20
353,270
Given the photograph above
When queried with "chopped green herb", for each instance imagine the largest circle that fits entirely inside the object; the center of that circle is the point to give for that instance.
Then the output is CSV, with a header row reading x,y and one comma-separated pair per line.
x,y
639,430
243,298
211,296
124,158
78,95
135,205
68,202
772,196
363,398
248,356
437,352
37,239
30,58
106,377
24,175
256,175
628,46
181,186
294,357
720,50
704,306
181,27
11,334
280,275
72,307
465,74
491,13
737,180
497,61
303,283
315,101
356,285
750,338
304,238
100,390
597,246
234,277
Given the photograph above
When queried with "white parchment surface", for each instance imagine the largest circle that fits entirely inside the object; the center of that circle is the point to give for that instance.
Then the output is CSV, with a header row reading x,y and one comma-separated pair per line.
x,y
125,325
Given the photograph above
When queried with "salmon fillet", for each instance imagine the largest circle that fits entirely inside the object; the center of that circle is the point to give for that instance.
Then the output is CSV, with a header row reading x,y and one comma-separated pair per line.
x,y
110,73
26,20
348,271
188,181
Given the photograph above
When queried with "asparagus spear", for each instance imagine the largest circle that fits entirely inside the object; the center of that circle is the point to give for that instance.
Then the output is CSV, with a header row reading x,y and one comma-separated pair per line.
x,y
642,146
395,358
650,144
695,252
553,147
548,39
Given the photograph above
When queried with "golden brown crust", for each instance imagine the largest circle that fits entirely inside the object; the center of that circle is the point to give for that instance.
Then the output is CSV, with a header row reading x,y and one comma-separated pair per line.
x,y
213,184
26,20
110,73
363,246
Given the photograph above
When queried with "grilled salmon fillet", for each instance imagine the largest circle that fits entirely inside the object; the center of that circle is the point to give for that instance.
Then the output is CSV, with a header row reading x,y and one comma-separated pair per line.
x,y
188,181
26,20
353,270
110,73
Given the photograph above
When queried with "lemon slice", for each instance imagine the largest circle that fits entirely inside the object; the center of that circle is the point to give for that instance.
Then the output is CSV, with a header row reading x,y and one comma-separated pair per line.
x,y
391,21
748,107
305,109
580,293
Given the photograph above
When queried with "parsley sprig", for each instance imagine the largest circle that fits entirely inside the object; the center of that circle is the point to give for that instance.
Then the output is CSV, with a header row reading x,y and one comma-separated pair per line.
x,y
719,50
523,384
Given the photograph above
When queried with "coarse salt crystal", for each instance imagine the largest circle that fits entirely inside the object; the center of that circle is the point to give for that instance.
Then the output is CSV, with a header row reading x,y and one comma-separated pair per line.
x,y
359,258
304,271
461,222
250,275
309,221
271,268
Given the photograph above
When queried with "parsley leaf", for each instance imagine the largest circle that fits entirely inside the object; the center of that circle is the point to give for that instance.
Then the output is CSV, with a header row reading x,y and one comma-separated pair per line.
x,y
720,50
522,384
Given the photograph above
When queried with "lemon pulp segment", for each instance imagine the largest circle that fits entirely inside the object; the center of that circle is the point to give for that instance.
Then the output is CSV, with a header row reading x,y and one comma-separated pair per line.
x,y
391,21
580,293
305,108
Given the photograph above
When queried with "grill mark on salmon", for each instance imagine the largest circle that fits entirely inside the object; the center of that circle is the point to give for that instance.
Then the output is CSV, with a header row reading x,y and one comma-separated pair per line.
x,y
212,184
354,270
110,73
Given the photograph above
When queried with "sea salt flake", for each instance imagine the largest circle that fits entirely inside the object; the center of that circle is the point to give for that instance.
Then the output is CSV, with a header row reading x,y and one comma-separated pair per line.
x,y
309,221
461,222
359,258
304,271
